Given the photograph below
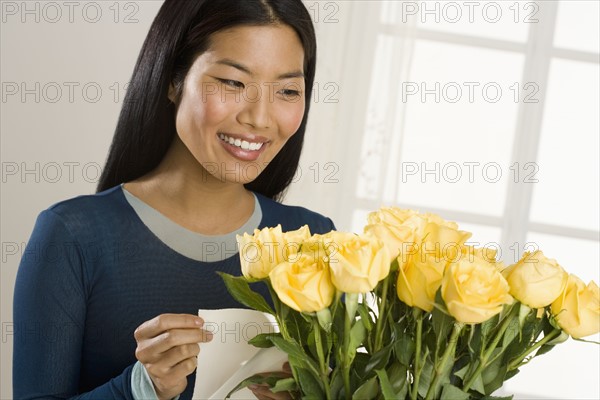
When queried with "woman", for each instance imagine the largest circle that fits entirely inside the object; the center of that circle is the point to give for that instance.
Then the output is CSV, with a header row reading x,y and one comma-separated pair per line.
x,y
209,137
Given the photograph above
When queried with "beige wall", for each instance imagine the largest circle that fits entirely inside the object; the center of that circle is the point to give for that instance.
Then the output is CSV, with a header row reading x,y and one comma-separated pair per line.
x,y
53,150
54,144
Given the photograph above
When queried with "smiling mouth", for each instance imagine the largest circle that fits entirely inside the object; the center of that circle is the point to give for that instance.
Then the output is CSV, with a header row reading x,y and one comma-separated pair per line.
x,y
242,144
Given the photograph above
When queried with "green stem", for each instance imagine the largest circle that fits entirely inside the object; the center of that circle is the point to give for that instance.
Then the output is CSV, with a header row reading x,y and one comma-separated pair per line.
x,y
346,364
440,368
381,318
415,389
516,362
483,361
324,367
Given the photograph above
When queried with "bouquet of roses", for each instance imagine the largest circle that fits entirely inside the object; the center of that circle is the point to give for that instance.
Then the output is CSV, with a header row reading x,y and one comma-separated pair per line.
x,y
406,310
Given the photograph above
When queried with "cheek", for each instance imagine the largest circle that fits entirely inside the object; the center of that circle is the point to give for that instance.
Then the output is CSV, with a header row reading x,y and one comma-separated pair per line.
x,y
198,113
211,110
291,118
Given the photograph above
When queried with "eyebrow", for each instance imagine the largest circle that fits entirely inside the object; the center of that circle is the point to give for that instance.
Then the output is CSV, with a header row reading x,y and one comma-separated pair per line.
x,y
243,68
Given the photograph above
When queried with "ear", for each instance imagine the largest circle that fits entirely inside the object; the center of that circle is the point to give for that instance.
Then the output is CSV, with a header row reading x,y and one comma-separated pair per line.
x,y
171,94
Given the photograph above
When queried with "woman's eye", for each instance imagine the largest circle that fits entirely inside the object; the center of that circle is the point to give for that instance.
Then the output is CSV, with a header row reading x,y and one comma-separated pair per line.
x,y
290,94
232,83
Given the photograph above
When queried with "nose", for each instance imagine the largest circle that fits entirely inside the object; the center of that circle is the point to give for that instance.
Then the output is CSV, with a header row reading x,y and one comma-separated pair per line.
x,y
256,111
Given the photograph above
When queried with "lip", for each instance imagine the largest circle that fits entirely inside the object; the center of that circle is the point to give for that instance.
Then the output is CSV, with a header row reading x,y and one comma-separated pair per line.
x,y
239,153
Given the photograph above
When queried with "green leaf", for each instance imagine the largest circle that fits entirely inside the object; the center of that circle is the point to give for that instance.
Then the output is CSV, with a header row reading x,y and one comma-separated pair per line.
x,y
310,386
404,348
263,340
510,374
442,324
312,345
563,337
497,398
426,378
254,380
357,336
478,385
361,360
324,318
394,266
365,316
494,375
285,385
293,349
488,326
379,360
475,341
398,379
336,384
385,385
512,331
367,390
461,372
452,392
544,349
239,288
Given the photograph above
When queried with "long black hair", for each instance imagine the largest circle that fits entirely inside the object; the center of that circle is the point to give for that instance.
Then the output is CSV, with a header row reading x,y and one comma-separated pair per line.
x,y
180,32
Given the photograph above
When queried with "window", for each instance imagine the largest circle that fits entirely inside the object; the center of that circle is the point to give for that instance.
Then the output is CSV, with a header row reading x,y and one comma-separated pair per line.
x,y
487,113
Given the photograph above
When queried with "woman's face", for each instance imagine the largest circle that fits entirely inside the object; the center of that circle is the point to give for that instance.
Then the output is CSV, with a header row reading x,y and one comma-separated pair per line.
x,y
242,100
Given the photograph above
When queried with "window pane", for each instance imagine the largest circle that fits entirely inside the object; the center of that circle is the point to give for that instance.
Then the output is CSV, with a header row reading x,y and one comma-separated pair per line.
x,y
377,131
578,26
568,191
359,220
458,127
492,19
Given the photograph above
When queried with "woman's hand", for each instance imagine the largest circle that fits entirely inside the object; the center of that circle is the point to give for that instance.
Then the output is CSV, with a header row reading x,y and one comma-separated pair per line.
x,y
262,392
168,347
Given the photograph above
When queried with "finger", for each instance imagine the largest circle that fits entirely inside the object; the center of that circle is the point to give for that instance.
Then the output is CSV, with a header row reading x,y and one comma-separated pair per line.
x,y
173,338
261,392
165,322
287,368
185,367
178,354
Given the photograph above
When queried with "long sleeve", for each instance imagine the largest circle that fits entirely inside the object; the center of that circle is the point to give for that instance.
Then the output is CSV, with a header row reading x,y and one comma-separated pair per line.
x,y
50,314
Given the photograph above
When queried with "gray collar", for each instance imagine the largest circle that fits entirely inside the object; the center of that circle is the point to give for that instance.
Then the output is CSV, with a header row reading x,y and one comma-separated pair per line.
x,y
206,248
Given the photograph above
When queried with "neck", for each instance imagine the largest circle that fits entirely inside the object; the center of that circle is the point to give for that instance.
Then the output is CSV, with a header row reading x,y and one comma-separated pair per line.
x,y
184,191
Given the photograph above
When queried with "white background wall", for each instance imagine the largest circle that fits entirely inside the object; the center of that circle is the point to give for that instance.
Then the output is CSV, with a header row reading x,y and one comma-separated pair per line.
x,y
363,134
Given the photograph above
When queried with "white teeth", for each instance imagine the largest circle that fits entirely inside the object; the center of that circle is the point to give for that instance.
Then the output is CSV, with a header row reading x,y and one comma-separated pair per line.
x,y
243,144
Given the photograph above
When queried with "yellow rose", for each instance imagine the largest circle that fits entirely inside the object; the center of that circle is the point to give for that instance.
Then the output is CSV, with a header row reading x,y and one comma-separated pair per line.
x,y
443,239
293,240
304,285
474,291
357,263
261,252
422,266
577,308
535,280
419,280
387,224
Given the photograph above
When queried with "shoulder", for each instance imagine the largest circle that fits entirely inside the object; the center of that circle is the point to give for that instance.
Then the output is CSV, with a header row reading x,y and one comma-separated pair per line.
x,y
292,217
85,210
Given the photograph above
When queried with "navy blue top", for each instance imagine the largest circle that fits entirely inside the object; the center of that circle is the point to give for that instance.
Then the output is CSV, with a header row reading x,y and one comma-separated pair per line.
x,y
91,273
